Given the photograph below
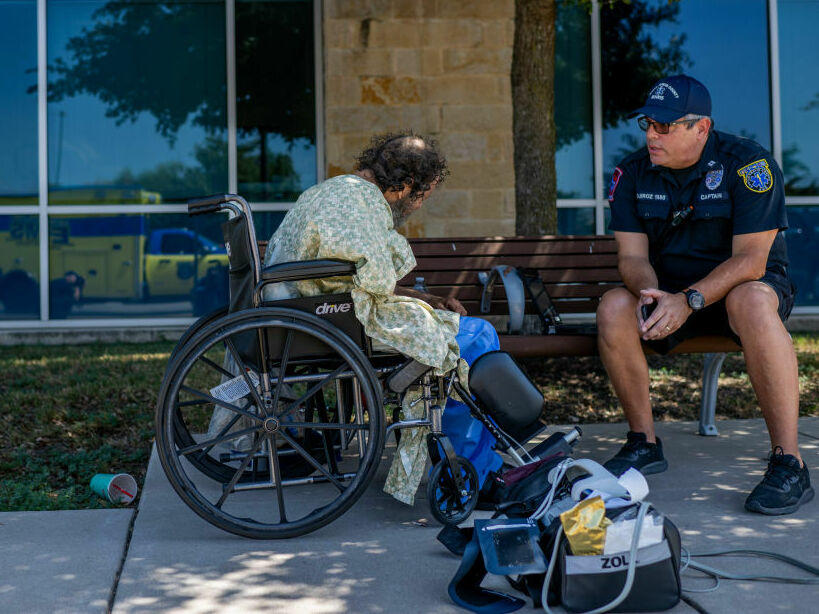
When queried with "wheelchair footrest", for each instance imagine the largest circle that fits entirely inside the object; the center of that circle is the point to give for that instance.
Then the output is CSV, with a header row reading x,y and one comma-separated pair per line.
x,y
556,443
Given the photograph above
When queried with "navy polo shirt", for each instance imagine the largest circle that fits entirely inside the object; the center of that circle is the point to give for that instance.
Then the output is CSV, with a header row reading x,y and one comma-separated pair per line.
x,y
735,188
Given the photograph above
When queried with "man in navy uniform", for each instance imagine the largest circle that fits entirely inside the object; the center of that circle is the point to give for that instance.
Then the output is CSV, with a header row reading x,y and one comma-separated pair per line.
x,y
698,217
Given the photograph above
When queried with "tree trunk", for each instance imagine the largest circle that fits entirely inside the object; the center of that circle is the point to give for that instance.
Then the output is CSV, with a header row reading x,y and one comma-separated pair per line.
x,y
533,122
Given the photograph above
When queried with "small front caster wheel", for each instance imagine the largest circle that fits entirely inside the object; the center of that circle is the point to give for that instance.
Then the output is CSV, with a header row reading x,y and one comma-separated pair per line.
x,y
448,504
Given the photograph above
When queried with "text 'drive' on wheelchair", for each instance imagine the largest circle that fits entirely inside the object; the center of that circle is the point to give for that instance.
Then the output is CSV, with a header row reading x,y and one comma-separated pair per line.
x,y
270,421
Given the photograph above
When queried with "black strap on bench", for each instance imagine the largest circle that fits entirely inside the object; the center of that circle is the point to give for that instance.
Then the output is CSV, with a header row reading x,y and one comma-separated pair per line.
x,y
514,282
540,299
515,296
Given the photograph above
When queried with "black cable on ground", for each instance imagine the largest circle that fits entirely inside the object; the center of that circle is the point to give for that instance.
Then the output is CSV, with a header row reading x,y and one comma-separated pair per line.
x,y
693,604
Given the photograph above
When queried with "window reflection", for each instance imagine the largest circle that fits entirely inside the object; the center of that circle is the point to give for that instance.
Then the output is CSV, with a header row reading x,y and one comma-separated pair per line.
x,y
799,78
574,158
802,238
158,265
275,114
19,266
647,39
126,124
575,221
18,102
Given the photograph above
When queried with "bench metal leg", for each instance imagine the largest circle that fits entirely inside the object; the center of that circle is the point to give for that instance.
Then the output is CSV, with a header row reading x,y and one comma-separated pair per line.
x,y
710,380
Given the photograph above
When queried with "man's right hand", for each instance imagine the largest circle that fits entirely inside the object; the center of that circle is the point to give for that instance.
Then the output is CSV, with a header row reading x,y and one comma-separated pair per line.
x,y
671,312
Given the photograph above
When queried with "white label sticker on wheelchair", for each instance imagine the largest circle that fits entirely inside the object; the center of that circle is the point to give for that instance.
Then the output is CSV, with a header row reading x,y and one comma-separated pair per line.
x,y
234,389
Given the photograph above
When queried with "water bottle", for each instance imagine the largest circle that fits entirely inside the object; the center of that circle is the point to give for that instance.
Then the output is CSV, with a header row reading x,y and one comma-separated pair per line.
x,y
420,286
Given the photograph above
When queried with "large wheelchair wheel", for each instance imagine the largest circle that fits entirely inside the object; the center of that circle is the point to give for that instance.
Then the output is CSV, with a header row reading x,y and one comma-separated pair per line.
x,y
296,453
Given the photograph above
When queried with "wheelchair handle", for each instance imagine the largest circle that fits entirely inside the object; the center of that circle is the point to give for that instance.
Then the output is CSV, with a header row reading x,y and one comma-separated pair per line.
x,y
210,204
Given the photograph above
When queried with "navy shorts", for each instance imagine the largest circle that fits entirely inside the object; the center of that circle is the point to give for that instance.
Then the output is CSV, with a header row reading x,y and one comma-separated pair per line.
x,y
713,320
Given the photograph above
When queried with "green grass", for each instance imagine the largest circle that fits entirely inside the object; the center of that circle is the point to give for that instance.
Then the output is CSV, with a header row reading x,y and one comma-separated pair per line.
x,y
577,390
68,412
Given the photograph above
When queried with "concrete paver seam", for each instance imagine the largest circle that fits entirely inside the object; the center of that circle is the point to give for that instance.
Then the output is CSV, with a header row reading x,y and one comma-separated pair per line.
x,y
113,594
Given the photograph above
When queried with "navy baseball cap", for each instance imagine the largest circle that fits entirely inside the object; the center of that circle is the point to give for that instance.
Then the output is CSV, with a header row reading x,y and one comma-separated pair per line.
x,y
673,97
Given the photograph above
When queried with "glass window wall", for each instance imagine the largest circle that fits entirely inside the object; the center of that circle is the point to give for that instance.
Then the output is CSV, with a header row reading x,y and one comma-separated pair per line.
x,y
802,238
19,267
799,96
143,265
275,114
575,221
645,40
574,158
137,106
18,102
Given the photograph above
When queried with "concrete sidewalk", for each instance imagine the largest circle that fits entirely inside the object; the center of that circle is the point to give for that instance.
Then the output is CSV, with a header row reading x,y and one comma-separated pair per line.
x,y
383,556
60,562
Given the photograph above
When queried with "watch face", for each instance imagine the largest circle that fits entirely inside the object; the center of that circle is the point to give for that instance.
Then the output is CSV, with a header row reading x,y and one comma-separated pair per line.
x,y
696,300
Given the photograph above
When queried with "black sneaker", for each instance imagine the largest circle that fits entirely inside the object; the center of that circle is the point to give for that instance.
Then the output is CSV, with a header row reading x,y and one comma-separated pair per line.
x,y
646,457
784,488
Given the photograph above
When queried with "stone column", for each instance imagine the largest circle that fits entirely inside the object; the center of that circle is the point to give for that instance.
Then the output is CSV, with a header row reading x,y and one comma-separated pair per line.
x,y
440,68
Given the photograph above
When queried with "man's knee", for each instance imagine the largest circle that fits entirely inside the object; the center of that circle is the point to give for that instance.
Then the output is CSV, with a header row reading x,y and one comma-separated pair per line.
x,y
751,306
617,307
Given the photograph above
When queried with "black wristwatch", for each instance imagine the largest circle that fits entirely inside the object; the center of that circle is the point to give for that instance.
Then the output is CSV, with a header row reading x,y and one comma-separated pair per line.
x,y
695,300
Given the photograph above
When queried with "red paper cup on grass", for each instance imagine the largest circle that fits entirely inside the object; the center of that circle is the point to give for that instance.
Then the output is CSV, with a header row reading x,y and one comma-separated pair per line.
x,y
115,487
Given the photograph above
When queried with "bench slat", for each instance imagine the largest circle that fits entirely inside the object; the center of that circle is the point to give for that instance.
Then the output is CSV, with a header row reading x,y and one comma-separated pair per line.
x,y
465,250
484,263
455,278
473,292
533,346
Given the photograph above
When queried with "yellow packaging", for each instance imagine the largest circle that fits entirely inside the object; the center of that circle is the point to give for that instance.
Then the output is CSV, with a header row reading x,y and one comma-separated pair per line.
x,y
585,526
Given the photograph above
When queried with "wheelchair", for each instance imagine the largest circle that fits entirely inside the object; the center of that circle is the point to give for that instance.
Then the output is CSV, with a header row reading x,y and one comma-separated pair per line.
x,y
304,394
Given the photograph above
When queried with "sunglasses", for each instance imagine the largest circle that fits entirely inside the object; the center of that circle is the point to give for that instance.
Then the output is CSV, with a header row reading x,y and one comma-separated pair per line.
x,y
661,127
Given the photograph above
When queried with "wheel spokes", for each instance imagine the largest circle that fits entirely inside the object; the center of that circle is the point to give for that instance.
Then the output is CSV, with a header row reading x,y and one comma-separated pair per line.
x,y
312,390
243,372
217,440
282,369
228,488
273,456
221,403
308,457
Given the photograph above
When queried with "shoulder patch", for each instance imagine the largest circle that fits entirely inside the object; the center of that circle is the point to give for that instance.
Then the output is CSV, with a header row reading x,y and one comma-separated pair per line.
x,y
615,179
757,176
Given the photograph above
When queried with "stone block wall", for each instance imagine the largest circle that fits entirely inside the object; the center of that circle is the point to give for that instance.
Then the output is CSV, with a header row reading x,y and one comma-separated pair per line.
x,y
441,68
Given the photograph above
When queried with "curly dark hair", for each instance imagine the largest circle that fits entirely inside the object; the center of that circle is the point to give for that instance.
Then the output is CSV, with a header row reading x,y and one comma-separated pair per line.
x,y
403,159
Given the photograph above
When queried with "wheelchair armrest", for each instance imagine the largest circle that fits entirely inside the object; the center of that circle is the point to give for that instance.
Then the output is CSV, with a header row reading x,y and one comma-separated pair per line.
x,y
406,375
306,269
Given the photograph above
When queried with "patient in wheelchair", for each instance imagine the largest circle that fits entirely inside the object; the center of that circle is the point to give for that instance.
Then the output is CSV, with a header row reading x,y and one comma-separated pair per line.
x,y
355,218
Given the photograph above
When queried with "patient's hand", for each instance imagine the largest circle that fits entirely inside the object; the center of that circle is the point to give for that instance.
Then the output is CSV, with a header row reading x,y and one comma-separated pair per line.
x,y
436,302
448,304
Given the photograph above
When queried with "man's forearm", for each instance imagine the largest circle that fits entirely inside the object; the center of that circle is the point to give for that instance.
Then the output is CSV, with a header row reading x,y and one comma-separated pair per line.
x,y
729,274
637,273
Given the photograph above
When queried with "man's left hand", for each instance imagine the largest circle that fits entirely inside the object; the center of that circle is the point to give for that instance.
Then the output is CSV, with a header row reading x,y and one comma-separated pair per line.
x,y
671,312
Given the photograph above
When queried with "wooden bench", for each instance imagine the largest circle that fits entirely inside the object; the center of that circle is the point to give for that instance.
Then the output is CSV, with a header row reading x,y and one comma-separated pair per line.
x,y
576,271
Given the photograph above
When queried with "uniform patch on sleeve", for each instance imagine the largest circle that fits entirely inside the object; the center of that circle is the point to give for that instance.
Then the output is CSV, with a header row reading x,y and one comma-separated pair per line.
x,y
757,176
615,179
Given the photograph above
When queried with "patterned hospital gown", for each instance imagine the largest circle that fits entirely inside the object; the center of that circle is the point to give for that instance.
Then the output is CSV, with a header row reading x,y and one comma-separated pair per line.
x,y
348,218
